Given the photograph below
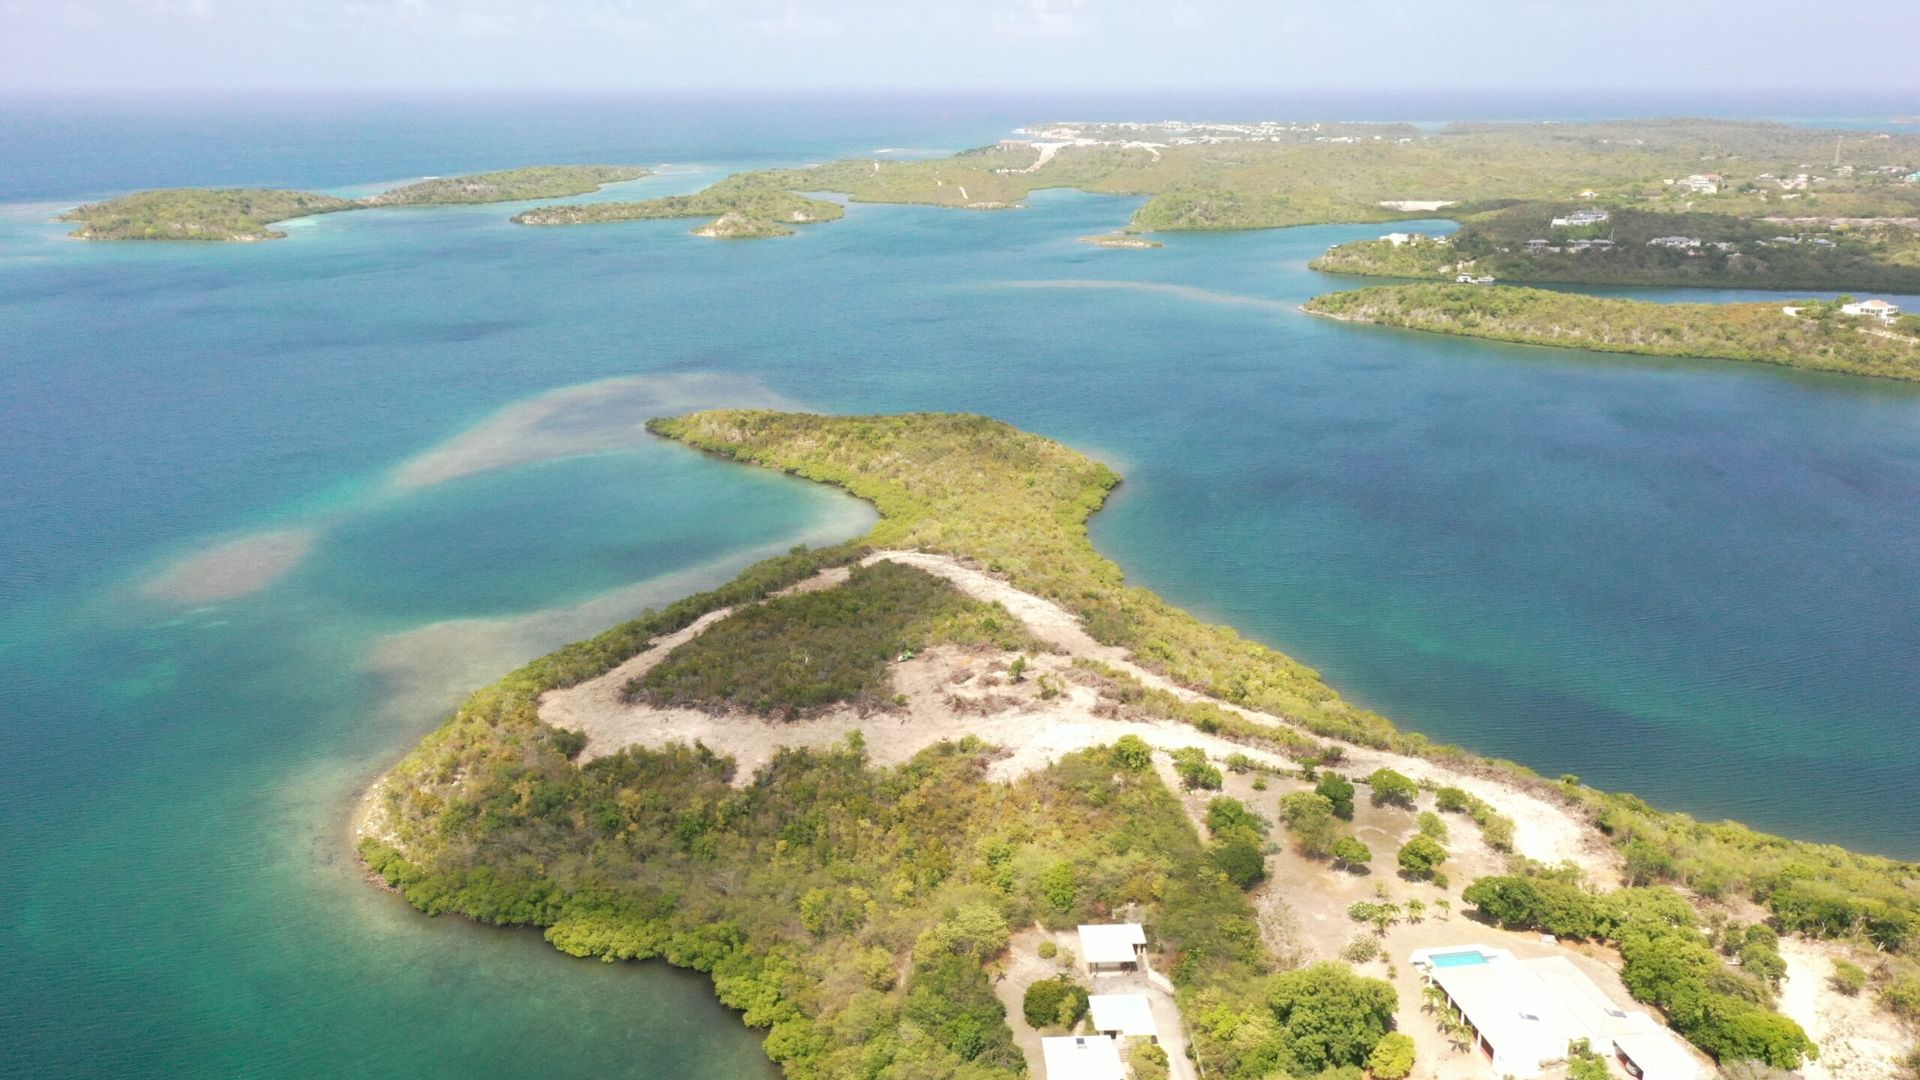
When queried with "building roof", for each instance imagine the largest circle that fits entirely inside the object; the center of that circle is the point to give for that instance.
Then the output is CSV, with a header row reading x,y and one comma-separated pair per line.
x,y
1111,943
1529,1010
1589,1005
1658,1054
1081,1057
1128,1014
1876,305
1507,1003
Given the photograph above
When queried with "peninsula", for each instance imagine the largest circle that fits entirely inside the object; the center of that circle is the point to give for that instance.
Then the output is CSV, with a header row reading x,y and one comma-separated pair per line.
x,y
1838,336
1598,244
872,789
247,214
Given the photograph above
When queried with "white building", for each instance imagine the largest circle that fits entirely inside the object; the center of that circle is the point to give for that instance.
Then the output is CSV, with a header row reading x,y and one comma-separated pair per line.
x,y
1112,947
1524,1013
1580,219
1676,242
1081,1057
1123,1016
1872,309
1398,238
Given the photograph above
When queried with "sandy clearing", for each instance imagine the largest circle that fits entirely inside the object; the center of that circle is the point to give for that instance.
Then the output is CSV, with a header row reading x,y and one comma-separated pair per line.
x,y
1857,1041
1034,731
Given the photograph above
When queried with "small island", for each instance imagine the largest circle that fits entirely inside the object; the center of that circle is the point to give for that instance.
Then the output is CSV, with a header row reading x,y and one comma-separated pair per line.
x,y
742,207
1121,240
899,798
510,185
233,215
1865,338
247,214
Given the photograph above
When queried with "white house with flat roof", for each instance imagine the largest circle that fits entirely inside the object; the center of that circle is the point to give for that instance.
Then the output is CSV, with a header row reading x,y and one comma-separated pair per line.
x,y
1081,1057
1112,947
1123,1016
1873,309
1524,1013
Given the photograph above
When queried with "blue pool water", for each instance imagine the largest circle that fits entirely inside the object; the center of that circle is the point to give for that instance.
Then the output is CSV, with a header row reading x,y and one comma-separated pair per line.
x,y
1457,959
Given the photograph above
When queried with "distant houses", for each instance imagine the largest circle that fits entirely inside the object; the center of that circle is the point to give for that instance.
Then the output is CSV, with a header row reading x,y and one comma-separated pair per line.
x,y
1700,183
1580,219
1469,279
1113,948
1678,243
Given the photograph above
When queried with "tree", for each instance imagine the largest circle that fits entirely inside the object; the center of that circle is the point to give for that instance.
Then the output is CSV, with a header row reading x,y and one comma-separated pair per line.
x,y
1338,792
1392,1058
1392,788
1132,753
1351,853
1055,1002
1420,856
1242,862
1329,1016
1190,762
1061,885
1433,825
1310,818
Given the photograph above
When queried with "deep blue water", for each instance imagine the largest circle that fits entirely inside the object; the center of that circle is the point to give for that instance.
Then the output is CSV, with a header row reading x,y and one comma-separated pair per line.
x,y
1688,579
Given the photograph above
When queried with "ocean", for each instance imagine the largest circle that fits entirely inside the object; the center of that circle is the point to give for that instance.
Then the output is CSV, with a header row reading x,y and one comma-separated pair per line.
x,y
1692,580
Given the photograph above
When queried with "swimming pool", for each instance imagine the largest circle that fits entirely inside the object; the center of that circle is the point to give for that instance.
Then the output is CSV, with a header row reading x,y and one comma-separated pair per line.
x,y
1465,958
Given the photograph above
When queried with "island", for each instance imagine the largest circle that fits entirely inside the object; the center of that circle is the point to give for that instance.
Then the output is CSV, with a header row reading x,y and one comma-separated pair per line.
x,y
1857,338
238,215
246,214
510,185
904,797
742,207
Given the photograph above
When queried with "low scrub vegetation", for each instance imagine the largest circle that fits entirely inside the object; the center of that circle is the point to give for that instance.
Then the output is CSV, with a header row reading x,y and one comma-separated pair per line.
x,y
798,654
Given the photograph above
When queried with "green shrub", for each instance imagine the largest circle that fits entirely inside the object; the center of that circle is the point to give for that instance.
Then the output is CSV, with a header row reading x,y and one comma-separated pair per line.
x,y
1390,788
1848,977
1420,857
1191,765
1242,862
1055,1002
1350,852
1329,1016
1392,1057
1338,792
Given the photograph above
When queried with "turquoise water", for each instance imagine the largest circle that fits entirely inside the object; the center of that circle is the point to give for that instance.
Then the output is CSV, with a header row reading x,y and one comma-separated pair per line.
x,y
1688,579
1457,959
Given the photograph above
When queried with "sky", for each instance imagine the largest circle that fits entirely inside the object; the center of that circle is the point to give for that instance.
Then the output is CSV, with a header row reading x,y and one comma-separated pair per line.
x,y
1862,48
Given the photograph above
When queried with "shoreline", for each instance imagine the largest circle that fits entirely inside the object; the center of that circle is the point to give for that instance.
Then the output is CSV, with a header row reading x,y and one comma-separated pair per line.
x,y
942,695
